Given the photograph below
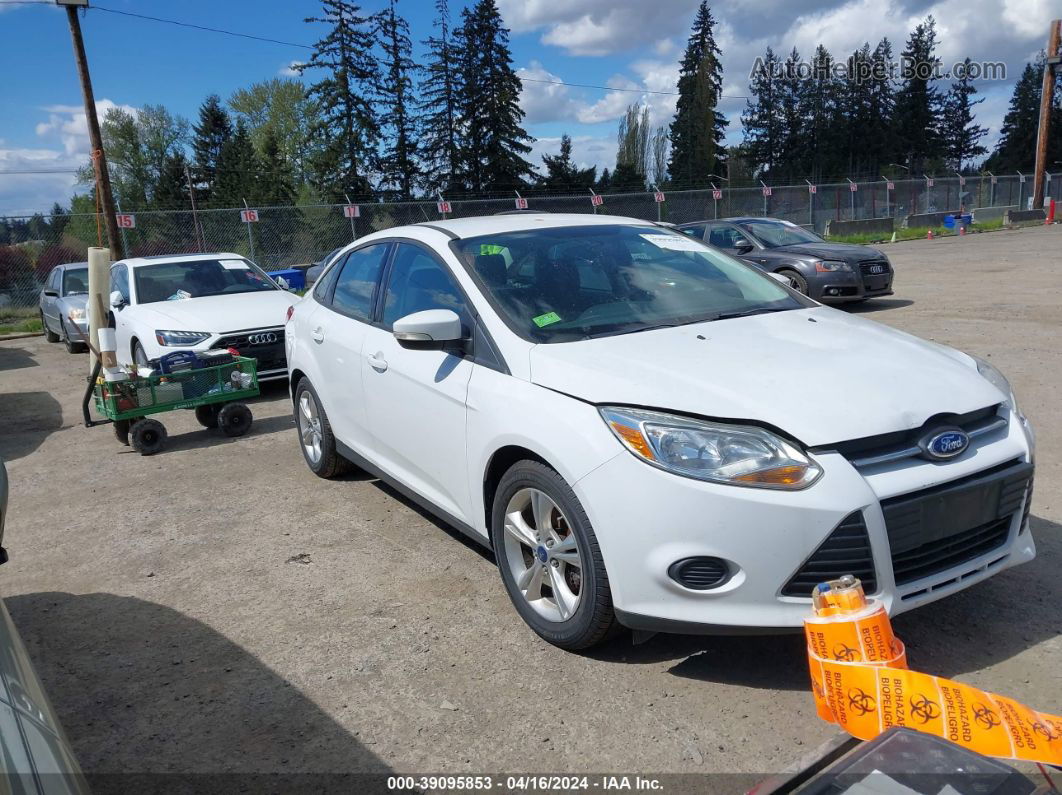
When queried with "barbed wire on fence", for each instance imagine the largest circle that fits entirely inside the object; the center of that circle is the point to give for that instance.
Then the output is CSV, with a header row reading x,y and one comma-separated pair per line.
x,y
290,236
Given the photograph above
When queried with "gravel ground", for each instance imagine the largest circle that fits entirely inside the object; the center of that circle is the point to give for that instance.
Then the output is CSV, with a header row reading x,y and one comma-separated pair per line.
x,y
217,608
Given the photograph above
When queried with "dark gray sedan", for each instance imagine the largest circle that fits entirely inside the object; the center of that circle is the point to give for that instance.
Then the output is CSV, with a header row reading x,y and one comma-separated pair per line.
x,y
827,272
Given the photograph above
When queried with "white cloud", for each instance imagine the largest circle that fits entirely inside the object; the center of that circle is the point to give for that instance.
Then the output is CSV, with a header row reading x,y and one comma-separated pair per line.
x,y
587,151
290,69
541,98
69,124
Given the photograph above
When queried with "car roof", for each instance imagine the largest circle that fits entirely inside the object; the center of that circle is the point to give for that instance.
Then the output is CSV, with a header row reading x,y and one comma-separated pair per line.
x,y
155,259
66,265
737,219
519,222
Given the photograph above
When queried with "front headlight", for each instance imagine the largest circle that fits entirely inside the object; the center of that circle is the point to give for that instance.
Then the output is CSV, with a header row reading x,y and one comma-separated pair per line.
x,y
830,266
996,379
172,338
77,314
733,454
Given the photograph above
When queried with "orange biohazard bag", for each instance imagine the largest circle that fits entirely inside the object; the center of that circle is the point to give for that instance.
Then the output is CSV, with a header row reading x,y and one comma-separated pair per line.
x,y
860,681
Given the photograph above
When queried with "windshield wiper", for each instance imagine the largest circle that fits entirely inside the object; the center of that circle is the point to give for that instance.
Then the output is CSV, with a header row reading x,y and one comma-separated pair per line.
x,y
751,312
633,330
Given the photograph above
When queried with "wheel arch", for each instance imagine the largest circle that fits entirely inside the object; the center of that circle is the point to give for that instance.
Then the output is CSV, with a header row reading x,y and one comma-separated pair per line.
x,y
293,382
500,462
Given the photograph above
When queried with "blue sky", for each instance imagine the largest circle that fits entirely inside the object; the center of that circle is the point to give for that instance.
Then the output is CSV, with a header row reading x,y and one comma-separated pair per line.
x,y
632,44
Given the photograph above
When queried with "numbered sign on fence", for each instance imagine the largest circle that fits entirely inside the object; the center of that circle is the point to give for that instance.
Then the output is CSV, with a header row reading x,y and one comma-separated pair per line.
x,y
853,186
766,191
717,194
929,183
995,180
596,200
658,197
813,189
1021,178
890,186
962,181
444,207
352,211
249,216
126,221
521,203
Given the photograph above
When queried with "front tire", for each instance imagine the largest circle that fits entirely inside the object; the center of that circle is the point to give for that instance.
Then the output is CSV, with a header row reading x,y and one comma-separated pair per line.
x,y
49,335
147,436
140,358
796,281
207,416
71,345
549,558
316,440
235,419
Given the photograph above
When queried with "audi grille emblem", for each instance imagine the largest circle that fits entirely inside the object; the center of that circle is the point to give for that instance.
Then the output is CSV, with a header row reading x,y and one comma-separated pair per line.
x,y
261,339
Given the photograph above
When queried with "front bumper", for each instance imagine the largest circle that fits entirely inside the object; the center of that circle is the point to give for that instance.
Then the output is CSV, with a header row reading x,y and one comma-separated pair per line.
x,y
647,519
264,345
838,287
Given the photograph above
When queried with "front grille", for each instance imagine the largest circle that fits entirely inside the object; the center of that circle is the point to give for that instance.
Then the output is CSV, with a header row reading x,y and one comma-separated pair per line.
x,y
270,355
955,550
898,445
865,268
944,526
845,551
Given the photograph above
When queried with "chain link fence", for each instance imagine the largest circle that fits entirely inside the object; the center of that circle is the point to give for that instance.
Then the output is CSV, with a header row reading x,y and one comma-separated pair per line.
x,y
285,237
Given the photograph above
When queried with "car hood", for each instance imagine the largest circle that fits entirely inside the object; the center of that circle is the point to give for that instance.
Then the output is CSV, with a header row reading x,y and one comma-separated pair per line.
x,y
223,313
841,251
77,300
818,374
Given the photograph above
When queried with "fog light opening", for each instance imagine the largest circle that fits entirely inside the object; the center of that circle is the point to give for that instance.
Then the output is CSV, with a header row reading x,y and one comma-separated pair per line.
x,y
700,573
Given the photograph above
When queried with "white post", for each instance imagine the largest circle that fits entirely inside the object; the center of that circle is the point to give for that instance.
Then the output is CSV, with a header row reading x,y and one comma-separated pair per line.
x,y
99,286
353,234
886,196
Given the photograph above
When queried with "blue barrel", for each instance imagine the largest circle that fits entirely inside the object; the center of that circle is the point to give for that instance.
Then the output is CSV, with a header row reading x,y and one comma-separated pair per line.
x,y
295,278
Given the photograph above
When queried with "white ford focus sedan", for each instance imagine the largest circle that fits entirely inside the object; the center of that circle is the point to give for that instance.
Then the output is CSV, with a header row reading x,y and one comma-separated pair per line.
x,y
651,434
196,302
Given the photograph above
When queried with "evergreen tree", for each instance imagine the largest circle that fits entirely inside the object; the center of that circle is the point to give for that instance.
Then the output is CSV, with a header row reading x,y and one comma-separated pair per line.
x,y
788,89
604,182
918,103
961,134
399,153
698,128
238,170
276,183
209,135
278,105
60,217
1016,150
877,139
440,91
658,153
854,100
761,120
491,116
345,130
171,192
562,174
820,104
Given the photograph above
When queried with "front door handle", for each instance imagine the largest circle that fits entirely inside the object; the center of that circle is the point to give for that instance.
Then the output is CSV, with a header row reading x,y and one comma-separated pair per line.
x,y
318,335
377,362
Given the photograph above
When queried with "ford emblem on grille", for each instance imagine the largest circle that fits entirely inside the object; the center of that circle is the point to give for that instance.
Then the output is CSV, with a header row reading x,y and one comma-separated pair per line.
x,y
944,444
262,339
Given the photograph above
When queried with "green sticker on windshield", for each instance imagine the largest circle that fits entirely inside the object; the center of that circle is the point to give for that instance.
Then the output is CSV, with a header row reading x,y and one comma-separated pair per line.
x,y
546,319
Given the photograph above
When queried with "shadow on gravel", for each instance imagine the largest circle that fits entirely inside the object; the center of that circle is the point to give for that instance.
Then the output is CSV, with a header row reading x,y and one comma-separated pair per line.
x,y
153,700
29,417
12,358
877,305
982,626
211,437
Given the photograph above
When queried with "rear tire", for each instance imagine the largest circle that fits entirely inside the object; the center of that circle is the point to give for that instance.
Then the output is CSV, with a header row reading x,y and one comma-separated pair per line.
x,y
207,416
577,611
235,419
147,436
316,440
49,335
121,431
796,281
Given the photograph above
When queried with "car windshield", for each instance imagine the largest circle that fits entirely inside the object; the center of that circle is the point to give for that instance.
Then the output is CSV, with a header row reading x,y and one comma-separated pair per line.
x,y
779,233
567,283
75,281
175,281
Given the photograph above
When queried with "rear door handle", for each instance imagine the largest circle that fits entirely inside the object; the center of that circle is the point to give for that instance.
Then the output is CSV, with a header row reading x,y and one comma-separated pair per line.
x,y
377,362
318,335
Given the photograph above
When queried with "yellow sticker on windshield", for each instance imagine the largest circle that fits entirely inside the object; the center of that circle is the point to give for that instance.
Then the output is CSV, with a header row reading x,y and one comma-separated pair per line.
x,y
546,319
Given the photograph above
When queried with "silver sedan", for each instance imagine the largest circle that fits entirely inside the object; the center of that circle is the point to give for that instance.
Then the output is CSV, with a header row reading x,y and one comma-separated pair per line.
x,y
63,304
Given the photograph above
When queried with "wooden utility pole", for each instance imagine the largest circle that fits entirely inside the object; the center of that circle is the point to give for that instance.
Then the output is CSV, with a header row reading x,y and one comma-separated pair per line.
x,y
99,159
1046,102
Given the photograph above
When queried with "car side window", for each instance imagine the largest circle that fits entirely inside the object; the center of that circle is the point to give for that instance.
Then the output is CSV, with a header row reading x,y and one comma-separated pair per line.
x,y
418,282
323,288
694,231
356,283
53,282
726,237
120,281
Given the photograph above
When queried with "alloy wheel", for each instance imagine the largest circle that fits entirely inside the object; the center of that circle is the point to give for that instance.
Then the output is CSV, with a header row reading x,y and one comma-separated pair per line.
x,y
310,427
542,553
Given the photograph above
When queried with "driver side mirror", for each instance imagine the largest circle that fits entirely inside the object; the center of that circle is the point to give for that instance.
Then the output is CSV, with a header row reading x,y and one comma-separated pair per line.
x,y
431,329
743,246
117,301
49,293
